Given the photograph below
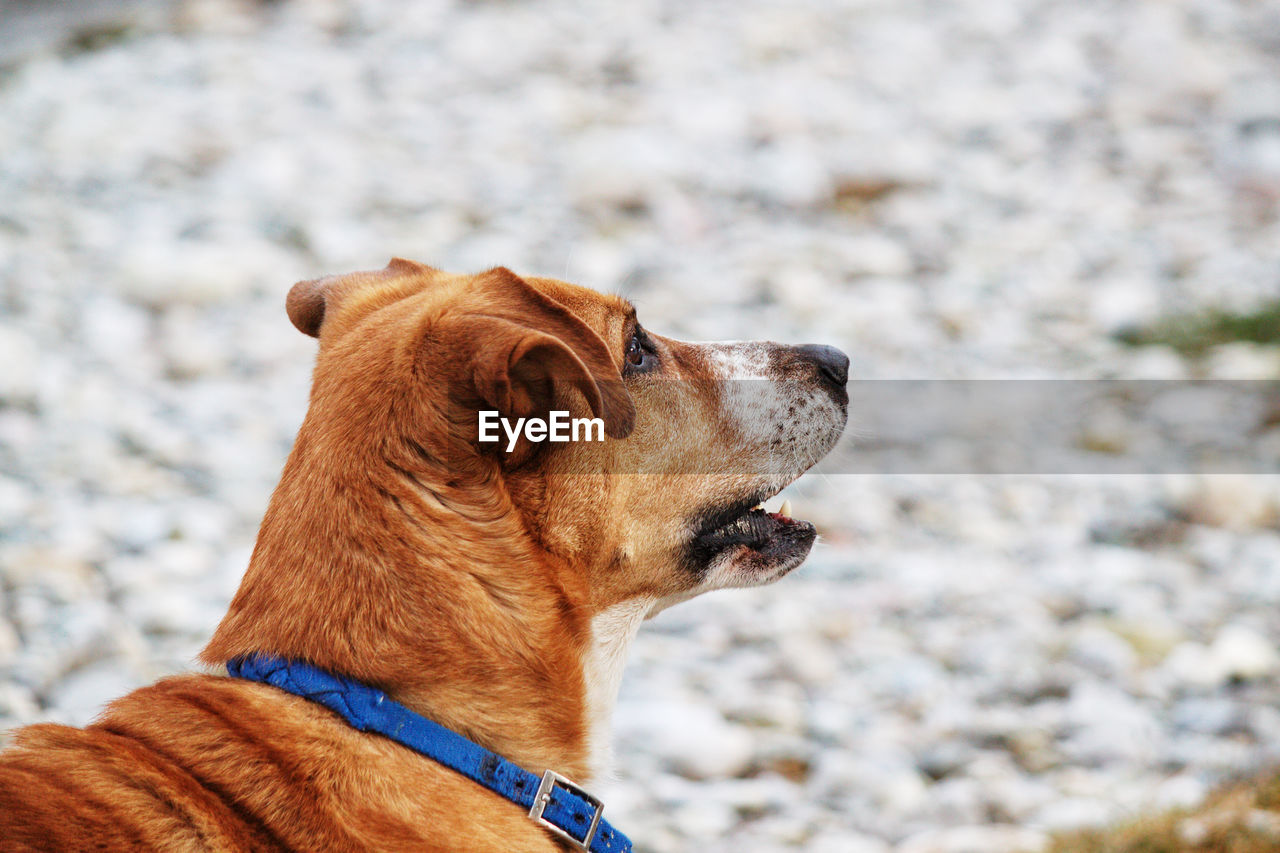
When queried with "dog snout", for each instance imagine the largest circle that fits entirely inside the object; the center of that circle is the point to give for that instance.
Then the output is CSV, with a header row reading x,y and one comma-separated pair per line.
x,y
832,364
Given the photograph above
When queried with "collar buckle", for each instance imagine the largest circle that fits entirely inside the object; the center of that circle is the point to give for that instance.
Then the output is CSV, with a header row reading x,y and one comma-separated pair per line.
x,y
550,781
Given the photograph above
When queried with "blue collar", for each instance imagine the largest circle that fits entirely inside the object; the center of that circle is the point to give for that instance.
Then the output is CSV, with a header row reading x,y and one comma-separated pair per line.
x,y
554,802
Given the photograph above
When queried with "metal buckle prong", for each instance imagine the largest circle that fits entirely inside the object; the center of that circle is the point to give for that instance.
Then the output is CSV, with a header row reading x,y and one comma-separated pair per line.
x,y
550,780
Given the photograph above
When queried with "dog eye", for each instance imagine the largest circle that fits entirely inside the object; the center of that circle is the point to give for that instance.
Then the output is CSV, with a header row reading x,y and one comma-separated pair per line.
x,y
640,356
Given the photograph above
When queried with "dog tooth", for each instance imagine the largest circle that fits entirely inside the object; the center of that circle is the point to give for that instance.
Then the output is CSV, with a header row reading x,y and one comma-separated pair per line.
x,y
785,509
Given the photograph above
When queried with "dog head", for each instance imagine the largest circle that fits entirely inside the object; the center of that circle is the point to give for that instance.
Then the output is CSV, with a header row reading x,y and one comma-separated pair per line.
x,y
698,434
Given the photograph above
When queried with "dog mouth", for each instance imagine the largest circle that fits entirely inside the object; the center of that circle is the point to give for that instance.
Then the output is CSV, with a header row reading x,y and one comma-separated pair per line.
x,y
772,542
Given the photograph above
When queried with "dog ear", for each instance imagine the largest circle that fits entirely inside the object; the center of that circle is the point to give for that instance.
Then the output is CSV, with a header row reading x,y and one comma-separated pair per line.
x,y
305,304
521,354
308,300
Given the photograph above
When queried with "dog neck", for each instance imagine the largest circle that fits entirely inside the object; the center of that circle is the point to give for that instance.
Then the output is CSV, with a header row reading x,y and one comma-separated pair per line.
x,y
437,598
612,631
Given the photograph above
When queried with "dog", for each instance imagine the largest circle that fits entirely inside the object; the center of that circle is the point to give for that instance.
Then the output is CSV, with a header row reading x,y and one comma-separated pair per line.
x,y
491,588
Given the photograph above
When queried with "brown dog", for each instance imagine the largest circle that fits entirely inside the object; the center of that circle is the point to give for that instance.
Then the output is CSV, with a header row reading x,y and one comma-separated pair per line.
x,y
492,590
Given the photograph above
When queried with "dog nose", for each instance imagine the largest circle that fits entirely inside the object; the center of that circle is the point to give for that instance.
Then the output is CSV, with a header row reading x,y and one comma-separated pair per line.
x,y
831,362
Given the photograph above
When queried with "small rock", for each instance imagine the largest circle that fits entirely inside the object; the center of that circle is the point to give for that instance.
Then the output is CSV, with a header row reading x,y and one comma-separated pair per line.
x,y
691,737
1155,362
875,255
1110,726
1125,304
704,819
15,500
1107,431
833,841
1194,831
9,640
20,354
1237,652
793,175
1236,502
1242,360
1074,813
1212,716
976,839
1183,791
190,347
1263,822
1191,664
941,759
17,702
1102,652
116,331
85,691
1243,653
808,660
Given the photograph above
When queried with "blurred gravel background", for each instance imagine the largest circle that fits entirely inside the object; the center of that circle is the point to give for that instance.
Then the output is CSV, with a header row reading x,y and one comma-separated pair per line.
x,y
974,189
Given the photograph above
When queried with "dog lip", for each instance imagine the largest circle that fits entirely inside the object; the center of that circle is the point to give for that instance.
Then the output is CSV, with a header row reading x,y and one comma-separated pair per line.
x,y
714,520
776,555
740,525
